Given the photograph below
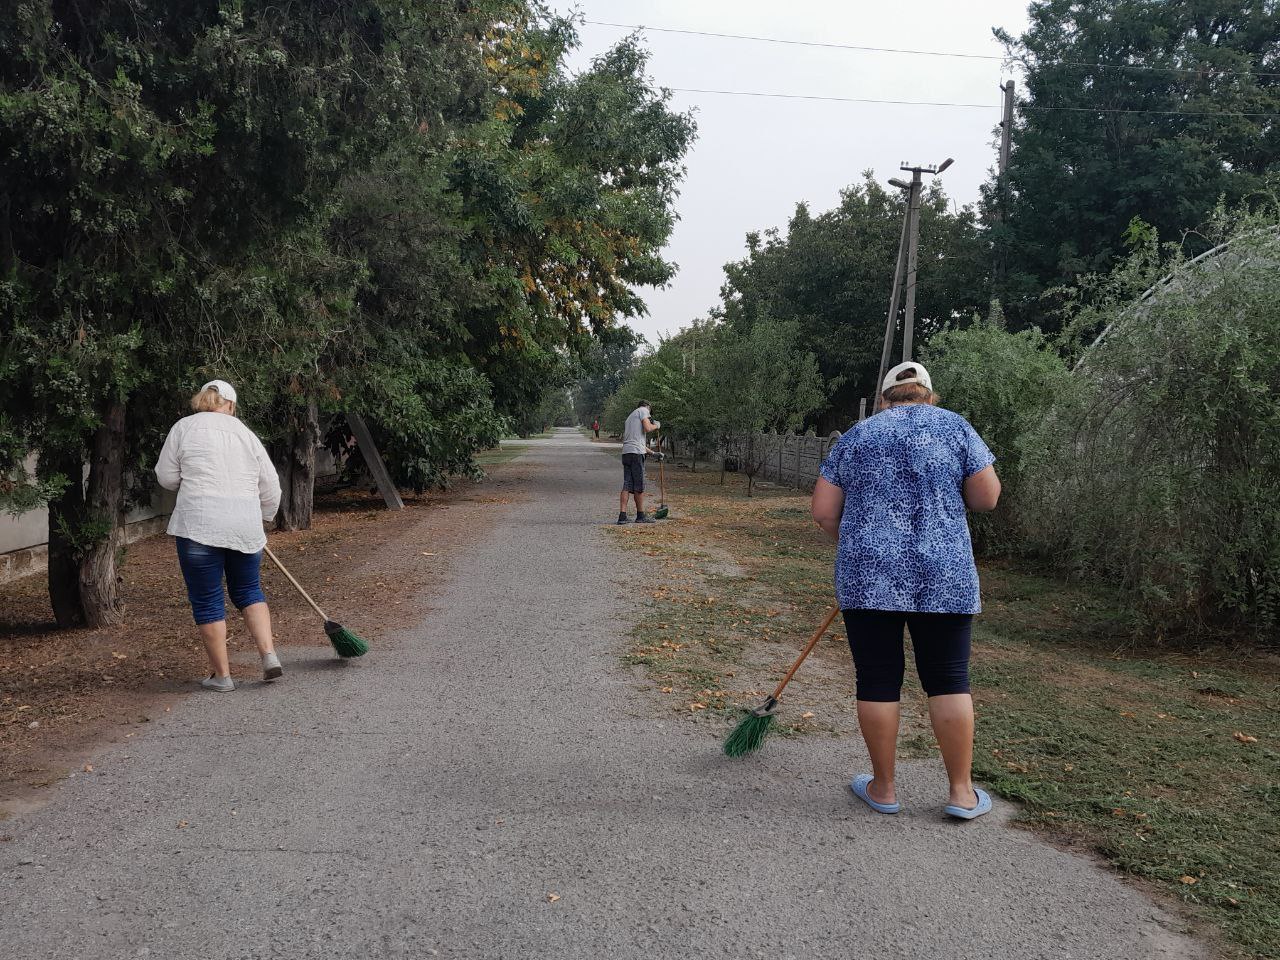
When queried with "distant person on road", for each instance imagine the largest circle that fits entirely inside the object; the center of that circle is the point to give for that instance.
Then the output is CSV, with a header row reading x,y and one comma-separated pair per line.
x,y
634,448
595,427
227,488
893,493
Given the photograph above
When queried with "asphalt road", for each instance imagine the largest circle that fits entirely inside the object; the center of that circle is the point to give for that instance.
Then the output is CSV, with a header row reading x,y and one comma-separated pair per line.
x,y
494,784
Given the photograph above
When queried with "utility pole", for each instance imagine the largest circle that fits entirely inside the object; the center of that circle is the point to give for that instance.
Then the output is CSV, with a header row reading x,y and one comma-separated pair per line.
x,y
1006,128
908,248
1002,186
891,320
913,244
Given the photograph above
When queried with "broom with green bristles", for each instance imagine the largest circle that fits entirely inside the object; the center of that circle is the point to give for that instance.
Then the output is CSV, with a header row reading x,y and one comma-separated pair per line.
x,y
345,643
663,511
748,735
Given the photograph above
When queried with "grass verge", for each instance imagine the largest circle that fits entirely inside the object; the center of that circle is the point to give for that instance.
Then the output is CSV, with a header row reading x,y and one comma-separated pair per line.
x,y
1164,762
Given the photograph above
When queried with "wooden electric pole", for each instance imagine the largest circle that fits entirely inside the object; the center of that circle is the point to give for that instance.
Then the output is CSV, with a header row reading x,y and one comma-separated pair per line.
x,y
904,271
1006,128
891,321
1002,183
913,244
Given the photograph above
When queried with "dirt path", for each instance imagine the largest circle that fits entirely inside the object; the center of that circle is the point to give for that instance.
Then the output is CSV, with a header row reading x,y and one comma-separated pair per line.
x,y
493,784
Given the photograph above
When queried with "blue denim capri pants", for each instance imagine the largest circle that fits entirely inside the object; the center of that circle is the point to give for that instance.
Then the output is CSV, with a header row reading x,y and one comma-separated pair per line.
x,y
203,568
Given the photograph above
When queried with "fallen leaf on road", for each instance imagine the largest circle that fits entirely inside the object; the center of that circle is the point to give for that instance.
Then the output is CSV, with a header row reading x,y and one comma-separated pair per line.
x,y
1189,880
1244,737
88,768
552,897
808,715
1068,767
182,824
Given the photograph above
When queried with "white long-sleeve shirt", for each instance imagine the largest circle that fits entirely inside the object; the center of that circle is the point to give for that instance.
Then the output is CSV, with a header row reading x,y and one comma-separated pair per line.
x,y
227,485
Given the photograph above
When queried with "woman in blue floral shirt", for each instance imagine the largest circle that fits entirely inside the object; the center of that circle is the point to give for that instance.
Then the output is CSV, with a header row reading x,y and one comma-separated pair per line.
x,y
893,492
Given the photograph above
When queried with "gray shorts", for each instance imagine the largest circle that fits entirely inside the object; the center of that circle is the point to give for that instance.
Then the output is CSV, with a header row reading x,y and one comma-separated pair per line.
x,y
633,472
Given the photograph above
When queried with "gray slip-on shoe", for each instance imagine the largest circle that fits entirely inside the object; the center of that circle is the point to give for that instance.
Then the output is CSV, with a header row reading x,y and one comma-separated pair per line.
x,y
271,669
218,684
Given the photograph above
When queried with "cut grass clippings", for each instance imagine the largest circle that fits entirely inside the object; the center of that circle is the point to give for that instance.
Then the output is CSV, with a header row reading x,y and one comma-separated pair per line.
x,y
1165,762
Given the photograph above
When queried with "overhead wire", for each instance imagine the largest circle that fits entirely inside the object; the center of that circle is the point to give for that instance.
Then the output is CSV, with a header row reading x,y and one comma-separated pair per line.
x,y
930,53
981,106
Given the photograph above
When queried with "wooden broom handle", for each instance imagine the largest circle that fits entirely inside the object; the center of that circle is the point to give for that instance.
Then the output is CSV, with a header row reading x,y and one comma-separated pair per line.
x,y
813,642
306,596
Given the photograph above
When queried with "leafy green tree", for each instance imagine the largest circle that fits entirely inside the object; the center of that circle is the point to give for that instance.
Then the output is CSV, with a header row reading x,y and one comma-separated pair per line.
x,y
1157,470
830,275
1132,109
1004,383
607,361
335,205
765,381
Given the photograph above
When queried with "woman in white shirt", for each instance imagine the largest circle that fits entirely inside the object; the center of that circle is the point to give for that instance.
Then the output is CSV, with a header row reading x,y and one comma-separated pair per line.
x,y
227,488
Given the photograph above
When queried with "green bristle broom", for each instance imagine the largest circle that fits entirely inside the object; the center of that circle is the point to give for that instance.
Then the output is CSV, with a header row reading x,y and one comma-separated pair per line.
x,y
345,643
748,735
662,512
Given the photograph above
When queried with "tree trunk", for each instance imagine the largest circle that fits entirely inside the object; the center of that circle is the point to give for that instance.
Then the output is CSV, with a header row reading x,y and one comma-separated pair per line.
x,y
8,256
296,463
66,514
104,502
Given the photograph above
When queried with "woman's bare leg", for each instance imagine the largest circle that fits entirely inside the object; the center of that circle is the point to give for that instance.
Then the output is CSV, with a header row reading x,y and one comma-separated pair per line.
x,y
214,636
952,718
879,724
257,617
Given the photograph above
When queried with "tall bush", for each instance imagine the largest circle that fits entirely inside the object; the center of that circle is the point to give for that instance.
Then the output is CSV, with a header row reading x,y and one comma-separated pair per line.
x,y
1159,467
1004,384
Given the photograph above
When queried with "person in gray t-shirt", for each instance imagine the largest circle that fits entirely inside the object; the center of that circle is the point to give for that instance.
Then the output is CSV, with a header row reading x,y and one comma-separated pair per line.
x,y
633,451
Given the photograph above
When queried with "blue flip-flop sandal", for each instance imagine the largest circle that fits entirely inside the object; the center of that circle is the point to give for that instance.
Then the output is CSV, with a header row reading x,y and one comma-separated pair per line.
x,y
970,813
859,787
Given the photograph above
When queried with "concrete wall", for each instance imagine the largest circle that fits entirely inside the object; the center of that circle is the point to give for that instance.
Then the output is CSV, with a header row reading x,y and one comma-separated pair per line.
x,y
24,539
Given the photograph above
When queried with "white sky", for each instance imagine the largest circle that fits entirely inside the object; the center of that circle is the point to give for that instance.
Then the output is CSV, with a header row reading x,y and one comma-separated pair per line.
x,y
755,158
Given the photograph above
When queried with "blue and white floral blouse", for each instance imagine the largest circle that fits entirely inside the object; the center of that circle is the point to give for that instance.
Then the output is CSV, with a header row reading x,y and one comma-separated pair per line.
x,y
904,537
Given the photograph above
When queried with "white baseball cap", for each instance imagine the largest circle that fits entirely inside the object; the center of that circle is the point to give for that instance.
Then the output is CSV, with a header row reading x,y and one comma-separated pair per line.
x,y
225,390
918,375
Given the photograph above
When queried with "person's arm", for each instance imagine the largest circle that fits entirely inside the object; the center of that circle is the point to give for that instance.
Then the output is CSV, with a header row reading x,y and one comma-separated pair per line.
x,y
168,466
268,482
648,426
827,507
981,491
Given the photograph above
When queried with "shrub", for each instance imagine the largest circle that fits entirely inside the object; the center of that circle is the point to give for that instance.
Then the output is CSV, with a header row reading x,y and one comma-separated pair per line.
x,y
1159,467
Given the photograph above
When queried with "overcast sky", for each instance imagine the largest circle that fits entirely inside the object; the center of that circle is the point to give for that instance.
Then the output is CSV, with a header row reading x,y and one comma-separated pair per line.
x,y
755,158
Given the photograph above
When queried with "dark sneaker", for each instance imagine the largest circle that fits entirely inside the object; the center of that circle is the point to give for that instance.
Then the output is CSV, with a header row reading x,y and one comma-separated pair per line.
x,y
642,518
622,518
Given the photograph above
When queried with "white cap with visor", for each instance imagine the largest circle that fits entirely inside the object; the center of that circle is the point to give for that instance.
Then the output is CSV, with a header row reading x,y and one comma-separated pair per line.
x,y
918,374
225,390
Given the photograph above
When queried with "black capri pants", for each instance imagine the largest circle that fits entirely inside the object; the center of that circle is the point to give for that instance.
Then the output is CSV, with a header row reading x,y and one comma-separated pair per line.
x,y
940,641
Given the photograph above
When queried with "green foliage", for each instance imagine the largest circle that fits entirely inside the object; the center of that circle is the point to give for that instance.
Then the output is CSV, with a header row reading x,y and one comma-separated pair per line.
x,y
831,274
712,384
606,364
412,211
1078,175
1004,384
1159,469
1152,466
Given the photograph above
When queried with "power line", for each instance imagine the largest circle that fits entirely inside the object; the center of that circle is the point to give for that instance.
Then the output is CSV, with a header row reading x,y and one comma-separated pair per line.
x,y
981,106
814,96
929,53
